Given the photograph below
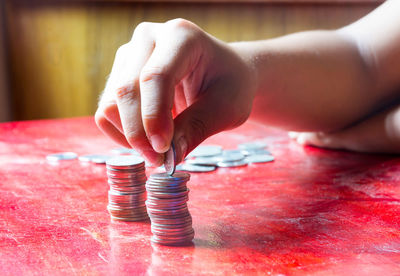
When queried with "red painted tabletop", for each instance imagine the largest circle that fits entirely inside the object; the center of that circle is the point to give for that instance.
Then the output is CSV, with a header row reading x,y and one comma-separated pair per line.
x,y
310,212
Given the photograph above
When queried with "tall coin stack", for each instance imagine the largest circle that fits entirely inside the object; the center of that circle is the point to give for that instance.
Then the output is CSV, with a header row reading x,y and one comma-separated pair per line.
x,y
127,194
171,222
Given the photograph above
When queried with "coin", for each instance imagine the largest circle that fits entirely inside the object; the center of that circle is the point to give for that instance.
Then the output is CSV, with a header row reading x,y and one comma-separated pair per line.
x,y
127,194
100,159
170,160
206,151
125,162
61,156
124,151
240,163
203,161
195,168
259,158
230,157
171,222
86,158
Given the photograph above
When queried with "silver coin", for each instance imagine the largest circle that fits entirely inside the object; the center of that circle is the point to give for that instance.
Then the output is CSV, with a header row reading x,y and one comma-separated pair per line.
x,y
124,151
125,161
87,157
256,145
170,160
203,161
259,158
127,194
61,156
195,168
230,151
171,222
257,151
230,157
232,164
100,159
206,151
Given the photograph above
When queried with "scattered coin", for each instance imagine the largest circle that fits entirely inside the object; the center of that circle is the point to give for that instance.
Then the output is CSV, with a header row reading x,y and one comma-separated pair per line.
x,y
258,152
252,146
231,151
206,151
230,157
240,163
87,157
170,160
61,156
100,159
124,151
195,168
127,194
259,158
203,161
171,222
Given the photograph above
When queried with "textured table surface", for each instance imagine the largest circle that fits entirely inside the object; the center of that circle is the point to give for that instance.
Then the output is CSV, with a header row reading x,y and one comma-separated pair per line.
x,y
311,211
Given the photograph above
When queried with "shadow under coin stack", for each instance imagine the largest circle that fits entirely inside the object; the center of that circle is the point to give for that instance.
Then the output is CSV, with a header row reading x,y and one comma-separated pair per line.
x,y
171,222
127,194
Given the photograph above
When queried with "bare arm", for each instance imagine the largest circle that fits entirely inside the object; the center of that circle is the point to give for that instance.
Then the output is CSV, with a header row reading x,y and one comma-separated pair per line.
x,y
326,80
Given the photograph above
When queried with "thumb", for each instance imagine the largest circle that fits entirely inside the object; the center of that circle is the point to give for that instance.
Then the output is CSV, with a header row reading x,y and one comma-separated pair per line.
x,y
209,115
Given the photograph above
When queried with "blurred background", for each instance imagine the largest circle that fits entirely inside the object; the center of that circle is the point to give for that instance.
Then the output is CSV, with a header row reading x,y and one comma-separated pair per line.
x,y
55,55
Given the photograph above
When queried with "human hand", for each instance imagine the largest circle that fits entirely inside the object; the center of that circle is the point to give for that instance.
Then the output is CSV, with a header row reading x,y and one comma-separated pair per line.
x,y
173,82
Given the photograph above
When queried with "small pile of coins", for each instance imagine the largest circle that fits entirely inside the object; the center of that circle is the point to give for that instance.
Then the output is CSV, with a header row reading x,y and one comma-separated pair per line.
x,y
209,157
171,222
127,194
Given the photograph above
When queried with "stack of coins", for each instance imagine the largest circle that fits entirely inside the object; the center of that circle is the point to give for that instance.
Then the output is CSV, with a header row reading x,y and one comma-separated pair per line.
x,y
171,222
127,194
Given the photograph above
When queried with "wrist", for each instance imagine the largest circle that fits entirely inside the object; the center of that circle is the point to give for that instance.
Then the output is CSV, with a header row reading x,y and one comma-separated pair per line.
x,y
246,54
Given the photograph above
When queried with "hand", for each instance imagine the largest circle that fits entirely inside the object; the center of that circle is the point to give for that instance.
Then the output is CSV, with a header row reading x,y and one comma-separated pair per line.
x,y
173,81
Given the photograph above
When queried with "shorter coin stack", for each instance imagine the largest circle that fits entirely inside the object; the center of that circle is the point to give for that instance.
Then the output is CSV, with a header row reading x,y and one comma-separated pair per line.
x,y
127,194
171,222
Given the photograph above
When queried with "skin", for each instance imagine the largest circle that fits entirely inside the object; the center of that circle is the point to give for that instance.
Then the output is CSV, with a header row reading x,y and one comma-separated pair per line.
x,y
336,89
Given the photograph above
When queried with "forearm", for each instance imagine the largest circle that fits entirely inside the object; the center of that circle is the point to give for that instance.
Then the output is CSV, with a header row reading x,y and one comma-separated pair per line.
x,y
309,81
326,80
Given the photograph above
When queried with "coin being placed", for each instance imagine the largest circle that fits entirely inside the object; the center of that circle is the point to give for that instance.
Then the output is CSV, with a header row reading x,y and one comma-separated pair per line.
x,y
61,156
195,168
259,158
203,161
170,160
206,151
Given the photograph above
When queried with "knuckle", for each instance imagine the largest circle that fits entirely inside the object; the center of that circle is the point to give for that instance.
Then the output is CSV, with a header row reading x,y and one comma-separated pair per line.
x,y
123,94
179,23
149,74
142,29
122,50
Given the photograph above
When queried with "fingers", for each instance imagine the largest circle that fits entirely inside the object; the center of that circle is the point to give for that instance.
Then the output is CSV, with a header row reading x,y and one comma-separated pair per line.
x,y
123,88
210,114
109,129
318,139
174,56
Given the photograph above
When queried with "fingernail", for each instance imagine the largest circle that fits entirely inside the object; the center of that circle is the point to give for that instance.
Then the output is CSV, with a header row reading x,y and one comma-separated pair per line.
x,y
181,148
158,143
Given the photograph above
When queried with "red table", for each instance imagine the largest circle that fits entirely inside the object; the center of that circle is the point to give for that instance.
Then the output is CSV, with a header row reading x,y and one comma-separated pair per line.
x,y
312,211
